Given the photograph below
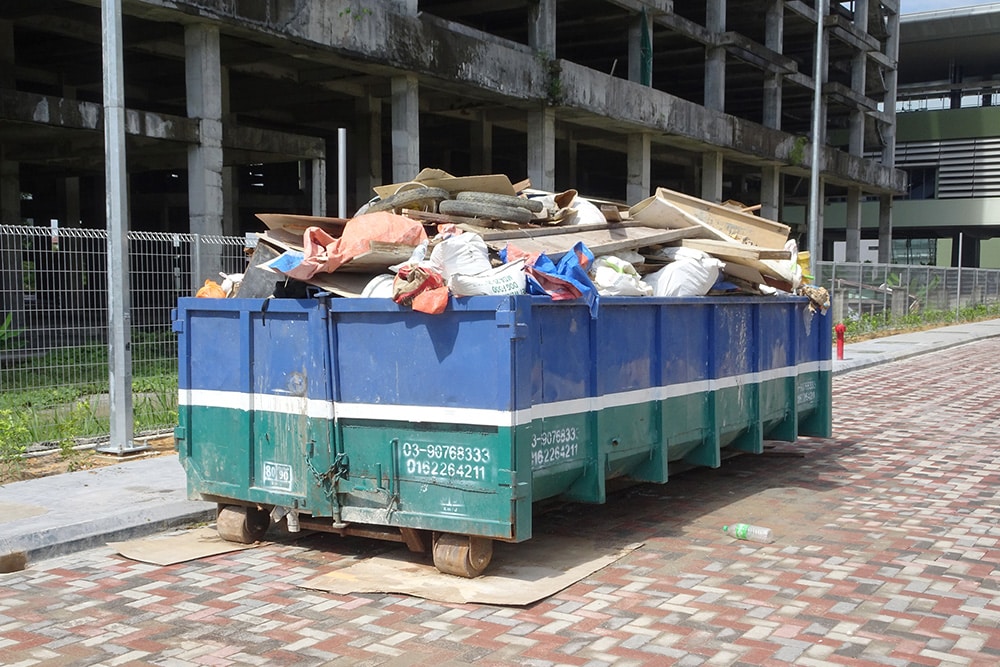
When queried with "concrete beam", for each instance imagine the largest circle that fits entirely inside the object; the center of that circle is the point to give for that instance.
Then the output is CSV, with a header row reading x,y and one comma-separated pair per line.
x,y
74,114
382,41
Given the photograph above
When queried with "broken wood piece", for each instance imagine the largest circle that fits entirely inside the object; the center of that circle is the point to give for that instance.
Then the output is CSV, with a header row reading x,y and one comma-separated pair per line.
x,y
605,240
611,213
674,209
729,250
522,185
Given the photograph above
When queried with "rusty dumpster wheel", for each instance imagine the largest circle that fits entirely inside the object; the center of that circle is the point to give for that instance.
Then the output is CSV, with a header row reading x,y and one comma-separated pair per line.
x,y
244,525
462,555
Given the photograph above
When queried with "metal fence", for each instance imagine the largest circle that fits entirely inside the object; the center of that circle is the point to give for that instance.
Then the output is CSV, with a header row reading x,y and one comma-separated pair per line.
x,y
54,374
896,290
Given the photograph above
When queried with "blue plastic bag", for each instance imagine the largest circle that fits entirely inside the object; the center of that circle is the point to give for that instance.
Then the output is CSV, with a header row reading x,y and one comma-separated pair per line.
x,y
566,280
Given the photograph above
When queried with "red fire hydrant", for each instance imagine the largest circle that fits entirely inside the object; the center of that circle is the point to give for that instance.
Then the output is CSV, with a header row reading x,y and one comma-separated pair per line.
x,y
840,329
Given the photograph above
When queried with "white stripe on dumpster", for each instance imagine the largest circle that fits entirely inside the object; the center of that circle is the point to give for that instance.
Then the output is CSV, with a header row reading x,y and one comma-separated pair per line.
x,y
320,409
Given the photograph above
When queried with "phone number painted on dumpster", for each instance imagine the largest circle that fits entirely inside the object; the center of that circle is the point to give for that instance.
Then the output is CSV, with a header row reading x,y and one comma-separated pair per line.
x,y
553,446
454,461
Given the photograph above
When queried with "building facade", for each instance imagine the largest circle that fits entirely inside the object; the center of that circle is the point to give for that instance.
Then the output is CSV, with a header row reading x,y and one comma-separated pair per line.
x,y
947,141
234,107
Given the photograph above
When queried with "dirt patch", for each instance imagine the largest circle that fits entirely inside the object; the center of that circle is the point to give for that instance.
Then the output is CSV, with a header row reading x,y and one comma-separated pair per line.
x,y
56,462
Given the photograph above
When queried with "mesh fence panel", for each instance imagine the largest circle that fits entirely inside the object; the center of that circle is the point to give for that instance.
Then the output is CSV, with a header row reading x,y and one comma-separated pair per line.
x,y
54,373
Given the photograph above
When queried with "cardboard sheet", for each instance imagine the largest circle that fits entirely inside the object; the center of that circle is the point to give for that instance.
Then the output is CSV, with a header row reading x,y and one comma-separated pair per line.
x,y
178,547
436,178
519,574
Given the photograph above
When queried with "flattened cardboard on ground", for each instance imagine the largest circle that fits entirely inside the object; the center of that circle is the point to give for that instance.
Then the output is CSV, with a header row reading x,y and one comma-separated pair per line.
x,y
178,548
436,178
519,574
673,209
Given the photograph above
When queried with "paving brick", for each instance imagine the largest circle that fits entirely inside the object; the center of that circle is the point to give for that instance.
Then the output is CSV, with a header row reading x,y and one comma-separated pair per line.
x,y
886,555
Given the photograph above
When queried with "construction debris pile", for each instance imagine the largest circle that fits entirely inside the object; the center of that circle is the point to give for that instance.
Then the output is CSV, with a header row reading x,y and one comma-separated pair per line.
x,y
437,236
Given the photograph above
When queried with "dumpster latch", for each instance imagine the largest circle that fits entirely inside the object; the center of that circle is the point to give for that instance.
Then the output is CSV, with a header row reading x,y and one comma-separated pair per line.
x,y
340,469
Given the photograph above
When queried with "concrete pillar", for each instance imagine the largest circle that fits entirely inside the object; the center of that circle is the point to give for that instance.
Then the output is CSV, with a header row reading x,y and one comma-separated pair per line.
x,y
889,137
203,76
11,268
636,57
481,145
542,27
853,250
542,148
230,184
859,63
572,147
367,148
638,186
885,229
711,176
405,128
770,192
715,57
319,187
774,39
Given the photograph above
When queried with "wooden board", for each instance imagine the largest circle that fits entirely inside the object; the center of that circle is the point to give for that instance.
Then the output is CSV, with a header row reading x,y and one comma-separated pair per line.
x,y
730,250
674,209
605,240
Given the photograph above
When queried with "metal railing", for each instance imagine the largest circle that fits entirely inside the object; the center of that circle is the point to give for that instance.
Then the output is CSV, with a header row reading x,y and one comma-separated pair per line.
x,y
54,373
894,291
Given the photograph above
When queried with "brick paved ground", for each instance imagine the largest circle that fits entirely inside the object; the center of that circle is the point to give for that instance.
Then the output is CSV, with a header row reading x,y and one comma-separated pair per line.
x,y
886,555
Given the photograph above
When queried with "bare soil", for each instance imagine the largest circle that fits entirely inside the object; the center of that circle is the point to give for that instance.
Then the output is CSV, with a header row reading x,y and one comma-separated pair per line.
x,y
56,463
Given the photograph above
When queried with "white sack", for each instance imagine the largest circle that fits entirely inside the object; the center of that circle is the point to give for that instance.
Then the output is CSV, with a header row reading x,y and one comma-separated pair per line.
x,y
686,277
462,254
616,277
505,279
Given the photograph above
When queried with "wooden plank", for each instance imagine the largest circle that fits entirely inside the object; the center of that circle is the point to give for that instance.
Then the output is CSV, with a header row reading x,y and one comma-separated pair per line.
x,y
674,209
550,230
729,250
601,242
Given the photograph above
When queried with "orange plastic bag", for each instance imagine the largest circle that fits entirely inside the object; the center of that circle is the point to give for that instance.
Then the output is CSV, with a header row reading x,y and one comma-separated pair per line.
x,y
211,290
432,301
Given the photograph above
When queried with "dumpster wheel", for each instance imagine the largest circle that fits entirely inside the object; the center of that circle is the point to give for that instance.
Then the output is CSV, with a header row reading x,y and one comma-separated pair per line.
x,y
462,555
244,525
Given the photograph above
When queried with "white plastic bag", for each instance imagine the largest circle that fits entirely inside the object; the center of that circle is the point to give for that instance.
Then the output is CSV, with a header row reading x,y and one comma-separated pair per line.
x,y
379,287
616,277
462,254
692,274
505,279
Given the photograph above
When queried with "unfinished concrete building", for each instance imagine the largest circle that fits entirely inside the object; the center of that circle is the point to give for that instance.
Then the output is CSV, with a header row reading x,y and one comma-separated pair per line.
x,y
233,106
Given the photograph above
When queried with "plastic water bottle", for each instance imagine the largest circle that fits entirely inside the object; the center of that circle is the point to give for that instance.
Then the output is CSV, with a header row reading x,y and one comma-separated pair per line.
x,y
744,531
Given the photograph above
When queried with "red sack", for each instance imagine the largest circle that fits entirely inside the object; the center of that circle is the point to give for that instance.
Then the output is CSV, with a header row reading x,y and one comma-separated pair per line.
x,y
431,301
411,281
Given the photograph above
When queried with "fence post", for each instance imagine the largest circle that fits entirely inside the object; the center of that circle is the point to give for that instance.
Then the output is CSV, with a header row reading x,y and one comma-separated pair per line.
x,y
116,176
